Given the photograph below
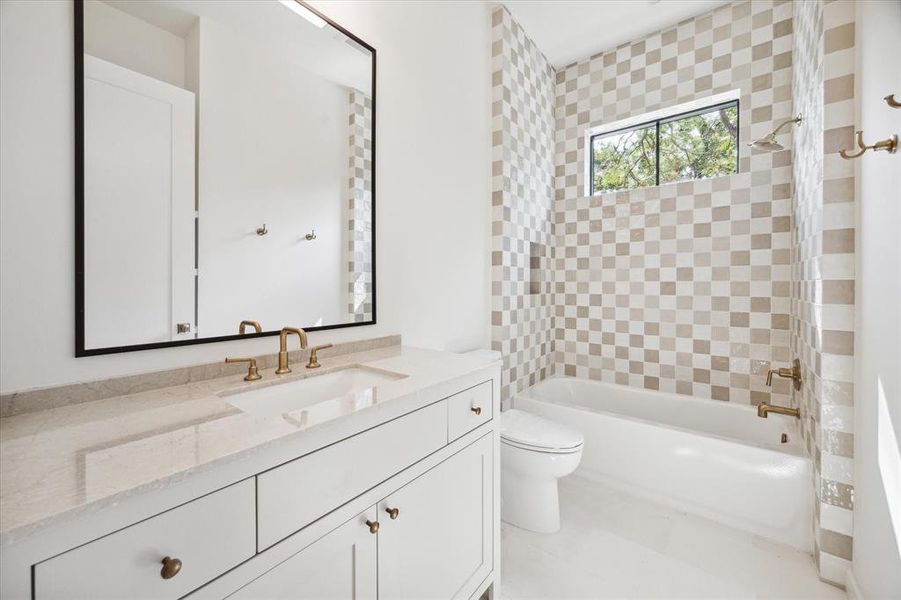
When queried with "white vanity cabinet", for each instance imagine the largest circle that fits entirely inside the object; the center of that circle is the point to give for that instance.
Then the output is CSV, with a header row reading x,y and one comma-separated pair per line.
x,y
400,504
432,538
440,543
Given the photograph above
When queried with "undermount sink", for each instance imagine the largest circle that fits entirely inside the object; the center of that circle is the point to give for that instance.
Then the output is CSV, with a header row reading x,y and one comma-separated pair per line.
x,y
281,398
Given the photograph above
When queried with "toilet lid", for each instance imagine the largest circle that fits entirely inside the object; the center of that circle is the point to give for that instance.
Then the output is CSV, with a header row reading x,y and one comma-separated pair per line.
x,y
531,431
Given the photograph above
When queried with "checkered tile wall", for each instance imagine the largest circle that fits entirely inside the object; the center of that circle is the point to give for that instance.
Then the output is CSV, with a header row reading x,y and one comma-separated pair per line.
x,y
682,287
823,278
522,204
745,45
359,208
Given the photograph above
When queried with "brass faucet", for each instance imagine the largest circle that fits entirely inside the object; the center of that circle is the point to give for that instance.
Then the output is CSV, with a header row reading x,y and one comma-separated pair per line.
x,y
283,347
244,324
764,408
794,374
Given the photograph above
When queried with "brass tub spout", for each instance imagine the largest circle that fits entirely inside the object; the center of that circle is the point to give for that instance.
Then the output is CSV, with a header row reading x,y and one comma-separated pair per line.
x,y
764,408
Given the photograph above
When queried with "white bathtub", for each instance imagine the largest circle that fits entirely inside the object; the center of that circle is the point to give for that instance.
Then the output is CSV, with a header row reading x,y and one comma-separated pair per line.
x,y
707,457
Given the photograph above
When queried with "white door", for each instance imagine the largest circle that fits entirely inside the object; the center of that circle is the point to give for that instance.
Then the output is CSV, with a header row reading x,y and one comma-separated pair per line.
x,y
139,207
439,544
339,565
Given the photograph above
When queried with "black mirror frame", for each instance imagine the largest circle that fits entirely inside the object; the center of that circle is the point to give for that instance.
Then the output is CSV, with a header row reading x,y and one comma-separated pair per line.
x,y
80,349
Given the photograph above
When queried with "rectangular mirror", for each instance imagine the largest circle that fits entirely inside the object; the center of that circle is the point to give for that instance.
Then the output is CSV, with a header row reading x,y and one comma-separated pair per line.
x,y
225,154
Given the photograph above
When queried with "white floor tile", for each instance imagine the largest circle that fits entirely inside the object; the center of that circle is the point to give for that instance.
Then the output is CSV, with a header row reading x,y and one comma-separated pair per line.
x,y
614,545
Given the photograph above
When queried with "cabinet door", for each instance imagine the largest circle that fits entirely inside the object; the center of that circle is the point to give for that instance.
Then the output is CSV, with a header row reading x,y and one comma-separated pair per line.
x,y
341,564
439,544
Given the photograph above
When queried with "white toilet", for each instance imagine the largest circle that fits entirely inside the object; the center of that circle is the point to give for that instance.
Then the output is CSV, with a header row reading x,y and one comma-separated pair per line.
x,y
535,452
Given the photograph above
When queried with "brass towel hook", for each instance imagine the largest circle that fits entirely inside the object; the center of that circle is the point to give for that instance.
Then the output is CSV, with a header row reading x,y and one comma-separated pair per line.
x,y
890,145
890,100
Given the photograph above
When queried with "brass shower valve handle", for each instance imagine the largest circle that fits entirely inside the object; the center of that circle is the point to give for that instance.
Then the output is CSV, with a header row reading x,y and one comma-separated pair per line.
x,y
794,374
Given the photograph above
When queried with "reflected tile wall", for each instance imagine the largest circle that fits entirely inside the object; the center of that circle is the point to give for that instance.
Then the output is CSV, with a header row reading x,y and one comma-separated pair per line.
x,y
359,207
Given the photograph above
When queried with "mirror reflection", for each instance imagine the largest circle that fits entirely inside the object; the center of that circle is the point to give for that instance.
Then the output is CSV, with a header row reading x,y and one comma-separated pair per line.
x,y
227,171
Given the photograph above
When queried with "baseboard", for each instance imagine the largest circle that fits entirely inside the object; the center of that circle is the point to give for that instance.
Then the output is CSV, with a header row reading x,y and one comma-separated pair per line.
x,y
851,587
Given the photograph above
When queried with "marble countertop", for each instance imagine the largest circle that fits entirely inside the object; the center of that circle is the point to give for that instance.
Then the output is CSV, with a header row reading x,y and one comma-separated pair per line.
x,y
59,461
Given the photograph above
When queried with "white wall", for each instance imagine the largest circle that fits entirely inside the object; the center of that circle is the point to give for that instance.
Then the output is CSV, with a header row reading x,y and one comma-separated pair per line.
x,y
273,149
877,412
433,199
129,42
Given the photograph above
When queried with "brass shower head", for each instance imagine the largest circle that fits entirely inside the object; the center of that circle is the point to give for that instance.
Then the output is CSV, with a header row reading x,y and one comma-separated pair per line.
x,y
768,142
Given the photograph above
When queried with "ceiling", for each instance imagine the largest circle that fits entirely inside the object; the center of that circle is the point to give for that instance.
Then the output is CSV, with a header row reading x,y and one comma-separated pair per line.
x,y
569,30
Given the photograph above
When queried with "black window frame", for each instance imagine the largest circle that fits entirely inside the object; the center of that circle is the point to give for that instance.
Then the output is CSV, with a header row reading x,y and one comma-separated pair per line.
x,y
656,125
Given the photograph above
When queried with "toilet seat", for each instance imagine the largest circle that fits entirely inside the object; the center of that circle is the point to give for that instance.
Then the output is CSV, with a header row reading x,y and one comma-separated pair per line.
x,y
520,429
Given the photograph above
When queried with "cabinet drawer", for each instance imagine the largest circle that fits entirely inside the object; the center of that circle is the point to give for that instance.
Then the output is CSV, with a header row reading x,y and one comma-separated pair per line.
x,y
209,536
295,494
468,409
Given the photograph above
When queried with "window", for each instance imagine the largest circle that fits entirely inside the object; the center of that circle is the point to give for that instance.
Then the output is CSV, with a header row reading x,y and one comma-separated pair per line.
x,y
694,145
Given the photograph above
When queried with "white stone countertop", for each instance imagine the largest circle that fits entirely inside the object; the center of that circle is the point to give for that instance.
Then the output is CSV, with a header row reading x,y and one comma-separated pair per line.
x,y
60,461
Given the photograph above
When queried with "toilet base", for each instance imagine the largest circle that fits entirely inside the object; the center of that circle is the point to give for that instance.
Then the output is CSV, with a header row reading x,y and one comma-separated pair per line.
x,y
529,502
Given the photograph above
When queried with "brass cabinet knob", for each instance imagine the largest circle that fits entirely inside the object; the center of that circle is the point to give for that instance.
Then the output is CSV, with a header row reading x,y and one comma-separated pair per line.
x,y
392,512
171,567
476,409
373,526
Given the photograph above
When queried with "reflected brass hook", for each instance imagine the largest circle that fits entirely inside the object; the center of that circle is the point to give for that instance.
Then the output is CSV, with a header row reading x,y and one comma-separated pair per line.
x,y
890,145
890,100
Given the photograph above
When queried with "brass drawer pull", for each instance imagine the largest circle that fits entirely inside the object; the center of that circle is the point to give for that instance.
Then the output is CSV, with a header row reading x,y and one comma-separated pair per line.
x,y
373,526
476,409
392,512
171,567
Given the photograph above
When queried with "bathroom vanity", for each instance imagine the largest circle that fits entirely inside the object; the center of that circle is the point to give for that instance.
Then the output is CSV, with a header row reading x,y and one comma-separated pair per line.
x,y
225,152
376,477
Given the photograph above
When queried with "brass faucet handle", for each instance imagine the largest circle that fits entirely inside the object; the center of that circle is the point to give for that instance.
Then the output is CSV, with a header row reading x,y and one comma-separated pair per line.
x,y
252,373
794,373
314,360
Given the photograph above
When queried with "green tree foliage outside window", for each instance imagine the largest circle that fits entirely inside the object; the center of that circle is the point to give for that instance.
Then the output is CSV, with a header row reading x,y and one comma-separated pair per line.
x,y
694,146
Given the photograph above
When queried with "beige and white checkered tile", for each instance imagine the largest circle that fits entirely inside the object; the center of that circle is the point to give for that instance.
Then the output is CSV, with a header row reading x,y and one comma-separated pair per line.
x,y
522,198
681,288
745,46
359,208
823,288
